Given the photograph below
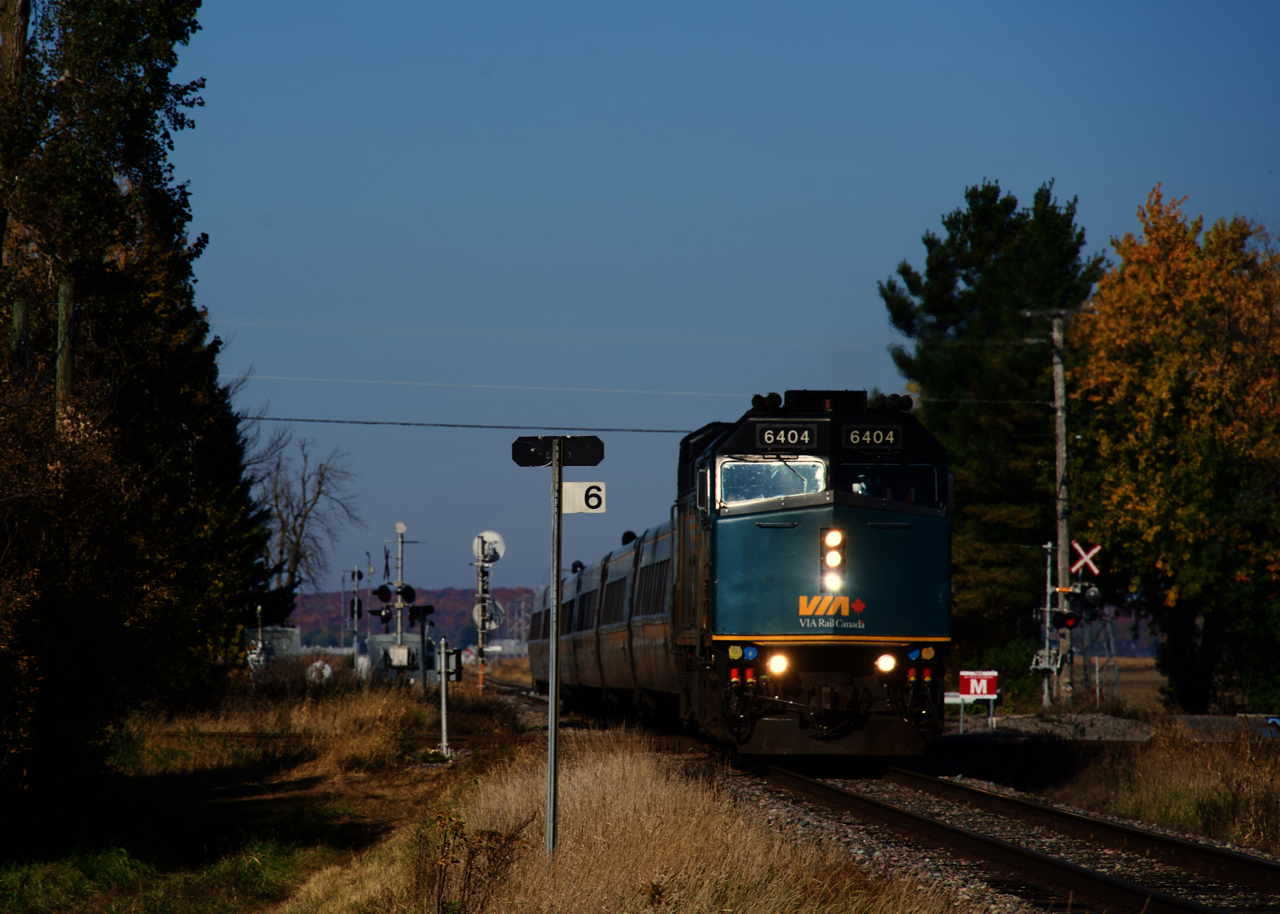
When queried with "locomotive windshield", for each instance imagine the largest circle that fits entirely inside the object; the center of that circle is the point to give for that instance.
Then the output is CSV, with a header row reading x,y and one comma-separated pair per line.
x,y
755,480
915,483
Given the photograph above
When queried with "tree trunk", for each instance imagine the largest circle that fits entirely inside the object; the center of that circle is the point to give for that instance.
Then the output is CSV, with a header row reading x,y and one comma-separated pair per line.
x,y
15,22
66,347
20,341
1189,655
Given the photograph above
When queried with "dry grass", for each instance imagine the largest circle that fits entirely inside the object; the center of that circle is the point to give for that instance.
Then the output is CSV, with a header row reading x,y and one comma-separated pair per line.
x,y
638,832
344,727
510,670
1228,789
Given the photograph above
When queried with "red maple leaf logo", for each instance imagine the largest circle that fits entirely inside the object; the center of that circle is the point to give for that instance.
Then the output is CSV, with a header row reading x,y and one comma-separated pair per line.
x,y
859,606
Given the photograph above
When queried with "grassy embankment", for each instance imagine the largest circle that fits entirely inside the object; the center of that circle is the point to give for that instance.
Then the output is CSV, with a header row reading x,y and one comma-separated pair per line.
x,y
298,799
232,809
638,832
1228,789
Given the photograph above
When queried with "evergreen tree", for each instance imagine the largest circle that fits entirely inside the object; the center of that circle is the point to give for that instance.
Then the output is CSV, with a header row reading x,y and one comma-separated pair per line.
x,y
986,392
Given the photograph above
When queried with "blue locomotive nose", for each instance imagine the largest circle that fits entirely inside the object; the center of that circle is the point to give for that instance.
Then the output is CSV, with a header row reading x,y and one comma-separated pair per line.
x,y
773,577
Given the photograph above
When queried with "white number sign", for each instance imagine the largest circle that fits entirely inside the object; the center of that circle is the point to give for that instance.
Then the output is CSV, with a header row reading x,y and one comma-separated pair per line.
x,y
584,498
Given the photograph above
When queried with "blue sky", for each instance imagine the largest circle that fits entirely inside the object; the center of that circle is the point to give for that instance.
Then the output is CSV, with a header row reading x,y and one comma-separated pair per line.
x,y
693,201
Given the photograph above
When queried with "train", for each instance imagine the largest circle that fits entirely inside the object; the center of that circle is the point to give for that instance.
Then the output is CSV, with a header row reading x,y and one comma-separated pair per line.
x,y
795,601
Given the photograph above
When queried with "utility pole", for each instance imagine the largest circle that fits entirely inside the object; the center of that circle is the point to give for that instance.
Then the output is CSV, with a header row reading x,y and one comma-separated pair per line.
x,y
1060,480
1062,655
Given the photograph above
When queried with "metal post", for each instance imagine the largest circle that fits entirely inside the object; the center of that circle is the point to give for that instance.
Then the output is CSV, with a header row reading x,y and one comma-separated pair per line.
x,y
442,663
1060,478
1048,625
482,600
400,528
259,628
1115,664
421,654
553,672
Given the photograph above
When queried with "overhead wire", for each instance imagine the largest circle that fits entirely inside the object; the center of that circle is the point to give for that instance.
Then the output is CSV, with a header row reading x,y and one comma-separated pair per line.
x,y
530,428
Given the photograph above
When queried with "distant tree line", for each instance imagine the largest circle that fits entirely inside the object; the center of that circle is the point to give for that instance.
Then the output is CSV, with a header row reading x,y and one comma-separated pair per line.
x,y
1173,357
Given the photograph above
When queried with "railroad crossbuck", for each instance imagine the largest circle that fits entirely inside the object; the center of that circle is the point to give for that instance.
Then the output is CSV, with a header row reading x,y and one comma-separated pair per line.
x,y
1086,558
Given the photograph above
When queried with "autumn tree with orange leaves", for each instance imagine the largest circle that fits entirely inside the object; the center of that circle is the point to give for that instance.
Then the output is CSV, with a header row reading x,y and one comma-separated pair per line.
x,y
1176,382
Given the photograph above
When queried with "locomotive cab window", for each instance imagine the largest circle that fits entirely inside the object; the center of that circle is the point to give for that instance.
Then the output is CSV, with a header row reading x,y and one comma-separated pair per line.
x,y
743,480
914,483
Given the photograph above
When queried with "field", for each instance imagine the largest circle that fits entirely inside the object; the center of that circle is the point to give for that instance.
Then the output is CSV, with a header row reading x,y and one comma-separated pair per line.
x,y
300,799
1140,682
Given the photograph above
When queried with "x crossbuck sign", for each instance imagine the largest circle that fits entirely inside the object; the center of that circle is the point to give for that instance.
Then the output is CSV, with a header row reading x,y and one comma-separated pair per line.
x,y
1086,558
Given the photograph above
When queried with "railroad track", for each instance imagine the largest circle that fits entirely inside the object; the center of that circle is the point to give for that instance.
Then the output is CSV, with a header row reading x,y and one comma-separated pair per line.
x,y
1031,848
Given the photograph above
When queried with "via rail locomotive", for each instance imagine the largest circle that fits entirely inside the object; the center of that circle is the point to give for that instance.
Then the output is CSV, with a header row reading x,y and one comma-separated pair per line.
x,y
797,599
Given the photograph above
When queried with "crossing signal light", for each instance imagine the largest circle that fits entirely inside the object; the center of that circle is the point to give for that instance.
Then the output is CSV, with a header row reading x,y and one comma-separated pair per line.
x,y
1067,620
404,592
419,613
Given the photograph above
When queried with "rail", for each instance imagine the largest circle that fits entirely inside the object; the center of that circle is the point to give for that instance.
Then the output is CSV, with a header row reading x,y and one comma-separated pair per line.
x,y
1106,889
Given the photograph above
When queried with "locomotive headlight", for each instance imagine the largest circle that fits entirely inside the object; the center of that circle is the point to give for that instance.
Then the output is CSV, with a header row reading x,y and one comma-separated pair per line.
x,y
778,664
831,558
886,662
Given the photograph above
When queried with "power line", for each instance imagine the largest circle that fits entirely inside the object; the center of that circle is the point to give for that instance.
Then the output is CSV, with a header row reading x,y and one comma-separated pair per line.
x,y
531,428
928,399
581,390
558,335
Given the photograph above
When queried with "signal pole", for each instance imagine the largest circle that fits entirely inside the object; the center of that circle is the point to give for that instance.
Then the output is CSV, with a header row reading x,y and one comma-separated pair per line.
x,y
487,547
482,604
400,529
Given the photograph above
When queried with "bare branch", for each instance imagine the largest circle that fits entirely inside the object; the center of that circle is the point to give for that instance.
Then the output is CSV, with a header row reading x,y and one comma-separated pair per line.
x,y
308,502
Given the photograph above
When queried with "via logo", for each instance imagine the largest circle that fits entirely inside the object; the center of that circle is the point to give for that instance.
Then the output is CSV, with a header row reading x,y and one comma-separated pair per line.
x,y
829,605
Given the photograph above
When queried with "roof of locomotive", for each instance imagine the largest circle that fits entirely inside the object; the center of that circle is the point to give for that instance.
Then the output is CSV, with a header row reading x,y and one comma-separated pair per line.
x,y
832,415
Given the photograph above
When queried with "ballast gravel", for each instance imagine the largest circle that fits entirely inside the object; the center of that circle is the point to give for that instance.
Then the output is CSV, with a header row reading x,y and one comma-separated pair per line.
x,y
875,849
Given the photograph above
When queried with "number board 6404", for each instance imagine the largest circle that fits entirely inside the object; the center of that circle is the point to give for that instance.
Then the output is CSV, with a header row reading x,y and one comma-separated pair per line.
x,y
774,436
873,438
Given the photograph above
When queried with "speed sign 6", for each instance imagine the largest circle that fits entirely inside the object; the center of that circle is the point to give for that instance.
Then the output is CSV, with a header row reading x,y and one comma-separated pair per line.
x,y
583,498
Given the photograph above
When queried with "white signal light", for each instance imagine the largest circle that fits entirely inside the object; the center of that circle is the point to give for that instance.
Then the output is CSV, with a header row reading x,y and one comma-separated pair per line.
x,y
833,559
834,538
832,582
777,664
886,662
